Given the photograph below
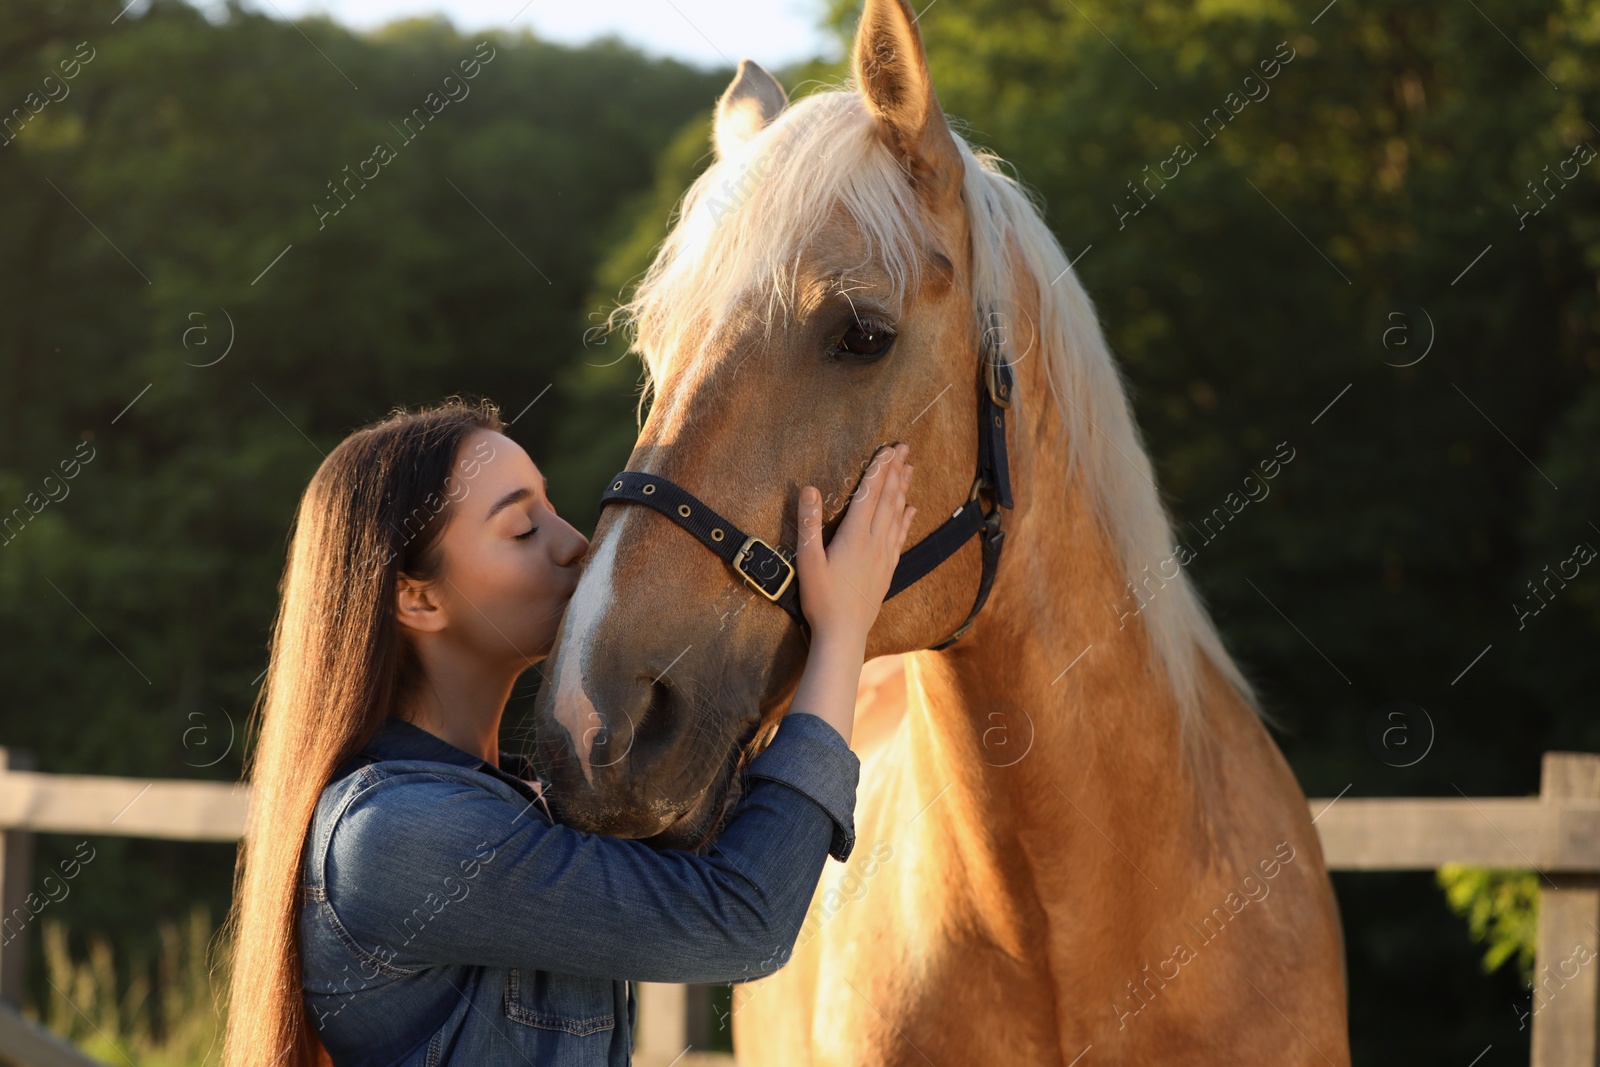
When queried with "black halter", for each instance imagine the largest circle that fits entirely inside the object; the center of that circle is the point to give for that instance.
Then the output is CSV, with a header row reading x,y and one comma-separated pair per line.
x,y
769,573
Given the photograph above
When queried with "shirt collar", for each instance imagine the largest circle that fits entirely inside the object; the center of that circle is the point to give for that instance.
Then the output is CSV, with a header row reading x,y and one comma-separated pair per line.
x,y
399,739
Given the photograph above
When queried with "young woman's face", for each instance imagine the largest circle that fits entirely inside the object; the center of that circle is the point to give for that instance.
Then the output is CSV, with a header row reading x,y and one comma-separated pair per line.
x,y
510,562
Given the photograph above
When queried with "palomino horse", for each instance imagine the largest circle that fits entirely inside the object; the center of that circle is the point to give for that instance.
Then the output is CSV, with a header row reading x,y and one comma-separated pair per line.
x,y
1078,844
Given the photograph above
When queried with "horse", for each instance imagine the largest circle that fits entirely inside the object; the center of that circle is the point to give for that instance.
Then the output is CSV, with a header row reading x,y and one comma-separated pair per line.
x,y
1077,841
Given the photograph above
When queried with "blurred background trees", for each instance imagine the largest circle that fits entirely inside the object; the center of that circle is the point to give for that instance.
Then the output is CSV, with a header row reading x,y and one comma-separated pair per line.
x,y
1371,202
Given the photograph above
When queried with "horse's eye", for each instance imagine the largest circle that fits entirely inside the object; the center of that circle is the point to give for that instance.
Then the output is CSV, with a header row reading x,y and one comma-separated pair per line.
x,y
863,342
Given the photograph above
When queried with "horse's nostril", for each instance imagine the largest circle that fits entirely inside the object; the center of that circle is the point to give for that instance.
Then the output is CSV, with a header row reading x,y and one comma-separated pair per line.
x,y
655,727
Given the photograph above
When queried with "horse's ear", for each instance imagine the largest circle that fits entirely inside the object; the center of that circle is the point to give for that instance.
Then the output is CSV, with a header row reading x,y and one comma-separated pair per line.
x,y
891,72
752,100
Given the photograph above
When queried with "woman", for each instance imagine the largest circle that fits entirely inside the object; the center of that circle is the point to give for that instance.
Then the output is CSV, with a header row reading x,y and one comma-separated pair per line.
x,y
403,895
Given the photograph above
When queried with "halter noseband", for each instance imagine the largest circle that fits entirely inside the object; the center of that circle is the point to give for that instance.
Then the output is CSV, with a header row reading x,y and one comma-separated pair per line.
x,y
766,570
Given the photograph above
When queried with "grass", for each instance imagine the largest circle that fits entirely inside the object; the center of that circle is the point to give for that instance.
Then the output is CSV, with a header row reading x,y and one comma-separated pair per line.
x,y
168,1018
161,1019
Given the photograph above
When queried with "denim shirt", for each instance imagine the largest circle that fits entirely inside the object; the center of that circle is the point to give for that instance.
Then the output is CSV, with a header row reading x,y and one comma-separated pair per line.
x,y
446,920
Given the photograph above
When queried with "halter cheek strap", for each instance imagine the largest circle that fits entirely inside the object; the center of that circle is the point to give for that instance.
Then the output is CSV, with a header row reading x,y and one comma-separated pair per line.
x,y
770,573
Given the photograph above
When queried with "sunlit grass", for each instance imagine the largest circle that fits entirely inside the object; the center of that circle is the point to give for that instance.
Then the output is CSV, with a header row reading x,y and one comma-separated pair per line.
x,y
164,1019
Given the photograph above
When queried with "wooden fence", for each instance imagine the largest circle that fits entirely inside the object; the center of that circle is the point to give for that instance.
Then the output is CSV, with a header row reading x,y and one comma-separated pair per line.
x,y
1556,833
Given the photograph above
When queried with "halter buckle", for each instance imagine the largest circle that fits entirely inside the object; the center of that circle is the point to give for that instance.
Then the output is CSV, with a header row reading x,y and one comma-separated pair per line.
x,y
771,555
999,384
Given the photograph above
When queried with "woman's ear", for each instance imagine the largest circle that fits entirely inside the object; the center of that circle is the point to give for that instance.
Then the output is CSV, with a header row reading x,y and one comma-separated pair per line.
x,y
417,605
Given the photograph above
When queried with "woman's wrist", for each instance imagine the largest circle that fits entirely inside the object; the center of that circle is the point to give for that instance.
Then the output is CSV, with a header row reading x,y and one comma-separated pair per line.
x,y
839,646
832,675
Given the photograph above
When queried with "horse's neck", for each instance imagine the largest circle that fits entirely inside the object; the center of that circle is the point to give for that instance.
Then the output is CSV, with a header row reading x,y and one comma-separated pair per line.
x,y
1045,744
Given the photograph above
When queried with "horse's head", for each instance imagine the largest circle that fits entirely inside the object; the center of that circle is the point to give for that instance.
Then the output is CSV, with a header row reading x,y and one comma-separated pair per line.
x,y
814,301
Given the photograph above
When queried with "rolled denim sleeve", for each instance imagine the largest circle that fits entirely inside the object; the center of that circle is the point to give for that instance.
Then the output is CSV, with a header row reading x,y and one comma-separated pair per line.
x,y
424,869
816,761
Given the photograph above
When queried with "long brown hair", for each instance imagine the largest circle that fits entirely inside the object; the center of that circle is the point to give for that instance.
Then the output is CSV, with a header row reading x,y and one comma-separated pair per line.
x,y
338,665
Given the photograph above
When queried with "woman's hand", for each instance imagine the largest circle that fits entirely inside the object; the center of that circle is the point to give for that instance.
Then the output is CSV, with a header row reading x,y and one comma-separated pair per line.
x,y
842,585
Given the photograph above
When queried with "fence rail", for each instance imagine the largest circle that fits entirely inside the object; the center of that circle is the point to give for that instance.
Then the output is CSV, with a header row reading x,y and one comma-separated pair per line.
x,y
1556,833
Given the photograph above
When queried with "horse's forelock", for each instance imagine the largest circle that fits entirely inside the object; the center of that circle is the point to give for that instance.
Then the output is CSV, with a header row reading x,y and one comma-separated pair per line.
x,y
742,226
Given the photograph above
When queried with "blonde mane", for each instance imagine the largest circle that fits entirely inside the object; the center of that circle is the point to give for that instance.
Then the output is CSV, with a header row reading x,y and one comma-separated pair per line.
x,y
737,238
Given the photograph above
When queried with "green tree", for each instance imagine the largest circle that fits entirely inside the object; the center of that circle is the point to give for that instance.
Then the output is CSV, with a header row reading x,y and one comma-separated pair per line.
x,y
196,188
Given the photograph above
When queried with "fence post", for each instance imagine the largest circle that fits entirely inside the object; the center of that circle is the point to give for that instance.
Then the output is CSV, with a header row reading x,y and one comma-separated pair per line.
x,y
16,877
662,1015
1566,978
697,1008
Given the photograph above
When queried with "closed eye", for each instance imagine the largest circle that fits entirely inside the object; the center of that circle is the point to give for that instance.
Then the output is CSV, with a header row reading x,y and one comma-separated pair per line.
x,y
525,536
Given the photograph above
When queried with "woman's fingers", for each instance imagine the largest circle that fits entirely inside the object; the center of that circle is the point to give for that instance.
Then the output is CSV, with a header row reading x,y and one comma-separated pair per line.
x,y
838,581
891,501
810,551
888,484
865,499
905,526
886,480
